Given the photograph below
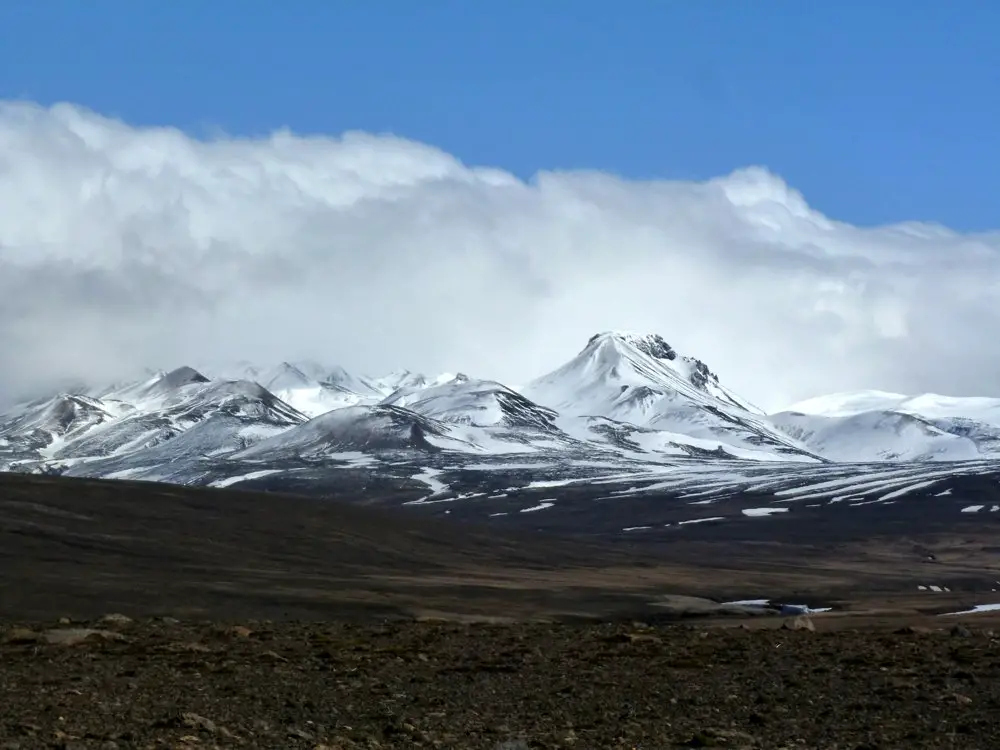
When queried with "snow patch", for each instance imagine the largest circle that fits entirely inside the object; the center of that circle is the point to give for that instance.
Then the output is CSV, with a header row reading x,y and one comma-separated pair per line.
x,y
230,481
974,610
760,512
541,506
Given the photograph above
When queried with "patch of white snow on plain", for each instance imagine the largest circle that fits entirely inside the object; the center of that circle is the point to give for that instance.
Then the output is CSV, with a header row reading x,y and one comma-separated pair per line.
x,y
429,477
701,520
505,467
803,609
546,483
972,508
908,489
230,481
541,506
785,609
942,494
974,610
353,458
762,512
636,528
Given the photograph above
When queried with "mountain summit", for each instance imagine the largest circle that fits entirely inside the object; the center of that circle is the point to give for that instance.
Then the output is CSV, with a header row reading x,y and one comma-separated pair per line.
x,y
640,380
618,372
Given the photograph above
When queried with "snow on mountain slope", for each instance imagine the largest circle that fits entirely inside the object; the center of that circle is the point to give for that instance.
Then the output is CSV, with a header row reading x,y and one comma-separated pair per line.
x,y
640,380
876,436
406,380
42,429
482,403
929,405
380,429
877,425
646,444
309,387
315,390
221,416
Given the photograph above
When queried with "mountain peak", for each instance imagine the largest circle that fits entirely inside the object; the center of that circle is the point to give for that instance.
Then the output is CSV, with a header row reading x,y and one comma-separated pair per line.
x,y
651,344
182,376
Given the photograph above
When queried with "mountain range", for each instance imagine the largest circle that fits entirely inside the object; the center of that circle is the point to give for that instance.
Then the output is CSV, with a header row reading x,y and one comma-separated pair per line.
x,y
628,415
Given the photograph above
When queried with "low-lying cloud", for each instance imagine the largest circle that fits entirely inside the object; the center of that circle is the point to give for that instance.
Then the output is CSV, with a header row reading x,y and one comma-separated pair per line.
x,y
123,248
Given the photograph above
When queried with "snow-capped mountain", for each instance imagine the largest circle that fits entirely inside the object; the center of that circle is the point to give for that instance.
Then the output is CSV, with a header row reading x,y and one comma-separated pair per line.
x,y
880,426
627,406
397,379
137,422
483,403
640,383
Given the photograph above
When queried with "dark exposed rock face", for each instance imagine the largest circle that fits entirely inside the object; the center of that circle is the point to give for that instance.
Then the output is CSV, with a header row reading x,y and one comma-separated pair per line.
x,y
182,376
701,375
656,347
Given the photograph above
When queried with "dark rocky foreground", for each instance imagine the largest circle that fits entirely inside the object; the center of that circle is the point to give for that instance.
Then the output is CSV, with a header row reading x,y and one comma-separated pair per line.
x,y
159,684
272,621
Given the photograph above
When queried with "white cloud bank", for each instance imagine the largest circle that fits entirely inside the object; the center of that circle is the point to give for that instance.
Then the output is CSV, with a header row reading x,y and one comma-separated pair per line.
x,y
125,247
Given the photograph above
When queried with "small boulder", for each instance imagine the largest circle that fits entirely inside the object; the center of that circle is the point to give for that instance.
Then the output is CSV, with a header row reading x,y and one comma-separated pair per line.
x,y
115,620
202,724
75,636
21,636
799,623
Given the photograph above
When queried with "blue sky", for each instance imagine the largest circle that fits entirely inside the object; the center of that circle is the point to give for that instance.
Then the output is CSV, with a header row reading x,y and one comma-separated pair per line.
x,y
877,111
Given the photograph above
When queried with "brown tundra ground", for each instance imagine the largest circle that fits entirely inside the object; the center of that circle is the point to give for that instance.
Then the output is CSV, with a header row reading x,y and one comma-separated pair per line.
x,y
265,621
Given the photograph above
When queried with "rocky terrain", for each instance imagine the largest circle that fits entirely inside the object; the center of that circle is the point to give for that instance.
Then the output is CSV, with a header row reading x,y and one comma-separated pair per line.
x,y
167,684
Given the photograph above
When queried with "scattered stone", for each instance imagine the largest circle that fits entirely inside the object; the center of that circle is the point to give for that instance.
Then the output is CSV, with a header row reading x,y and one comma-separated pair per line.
x,y
912,630
202,724
727,738
707,687
75,636
192,647
961,631
115,620
21,636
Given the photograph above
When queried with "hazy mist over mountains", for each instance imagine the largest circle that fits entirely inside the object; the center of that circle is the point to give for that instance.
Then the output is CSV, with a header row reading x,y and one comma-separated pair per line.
x,y
126,248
